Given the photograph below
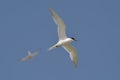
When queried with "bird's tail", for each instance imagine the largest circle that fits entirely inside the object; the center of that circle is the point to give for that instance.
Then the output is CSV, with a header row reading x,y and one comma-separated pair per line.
x,y
53,47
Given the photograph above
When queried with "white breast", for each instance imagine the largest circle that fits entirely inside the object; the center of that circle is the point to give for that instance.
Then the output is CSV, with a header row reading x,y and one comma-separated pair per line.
x,y
65,41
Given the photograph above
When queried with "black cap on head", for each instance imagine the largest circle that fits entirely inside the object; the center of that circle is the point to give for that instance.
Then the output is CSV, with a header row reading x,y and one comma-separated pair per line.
x,y
73,38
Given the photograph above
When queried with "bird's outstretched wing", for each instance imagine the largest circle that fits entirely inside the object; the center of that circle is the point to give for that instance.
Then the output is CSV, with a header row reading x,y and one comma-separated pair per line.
x,y
73,54
24,58
35,53
60,23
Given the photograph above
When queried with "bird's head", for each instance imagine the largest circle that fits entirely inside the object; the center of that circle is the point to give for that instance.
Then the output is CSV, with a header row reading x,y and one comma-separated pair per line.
x,y
73,39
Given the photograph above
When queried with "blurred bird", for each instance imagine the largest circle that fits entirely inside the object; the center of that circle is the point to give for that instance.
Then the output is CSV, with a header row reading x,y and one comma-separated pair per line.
x,y
29,56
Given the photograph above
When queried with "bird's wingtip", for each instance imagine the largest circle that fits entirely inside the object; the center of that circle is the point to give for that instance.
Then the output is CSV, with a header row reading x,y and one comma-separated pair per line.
x,y
76,65
50,9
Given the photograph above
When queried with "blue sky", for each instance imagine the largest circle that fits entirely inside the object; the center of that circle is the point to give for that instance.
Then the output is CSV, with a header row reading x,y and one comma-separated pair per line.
x,y
27,25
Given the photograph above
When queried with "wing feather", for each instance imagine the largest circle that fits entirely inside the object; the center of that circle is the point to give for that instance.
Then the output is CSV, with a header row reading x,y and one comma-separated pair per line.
x,y
36,53
60,23
73,54
24,59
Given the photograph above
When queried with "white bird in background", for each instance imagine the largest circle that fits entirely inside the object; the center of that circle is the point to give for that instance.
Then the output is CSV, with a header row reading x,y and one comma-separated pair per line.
x,y
30,56
64,41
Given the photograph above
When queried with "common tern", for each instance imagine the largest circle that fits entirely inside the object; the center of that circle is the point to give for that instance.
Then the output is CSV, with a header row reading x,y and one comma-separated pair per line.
x,y
64,41
29,56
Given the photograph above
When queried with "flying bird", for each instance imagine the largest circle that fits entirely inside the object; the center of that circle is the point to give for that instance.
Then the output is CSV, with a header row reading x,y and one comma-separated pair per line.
x,y
64,41
29,56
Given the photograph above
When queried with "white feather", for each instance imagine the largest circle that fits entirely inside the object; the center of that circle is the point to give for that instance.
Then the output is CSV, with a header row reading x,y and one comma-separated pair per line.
x,y
63,40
